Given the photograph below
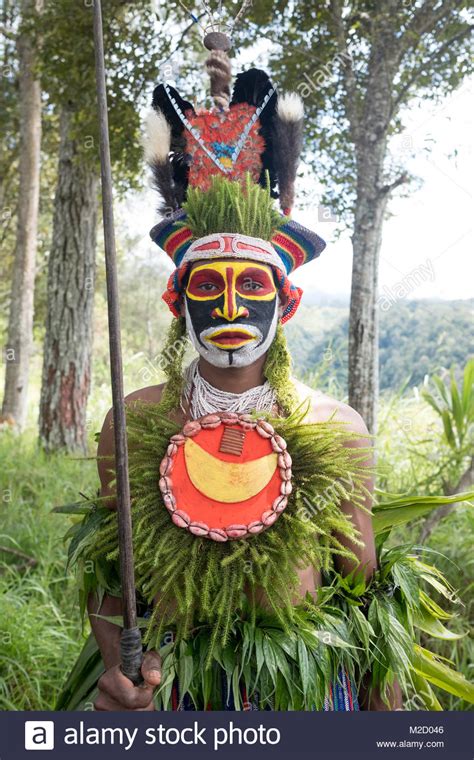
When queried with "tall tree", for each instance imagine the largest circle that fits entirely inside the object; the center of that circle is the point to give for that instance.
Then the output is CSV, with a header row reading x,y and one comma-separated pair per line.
x,y
358,64
68,72
9,150
20,325
71,276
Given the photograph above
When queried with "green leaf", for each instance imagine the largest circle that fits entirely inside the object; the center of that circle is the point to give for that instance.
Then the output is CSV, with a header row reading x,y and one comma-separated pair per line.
x,y
166,687
83,677
432,402
228,660
260,657
248,637
433,608
397,501
429,667
408,582
425,693
304,666
441,389
270,660
84,532
236,688
118,620
329,638
281,662
78,508
468,391
206,683
364,630
286,642
404,510
448,428
458,413
431,625
185,672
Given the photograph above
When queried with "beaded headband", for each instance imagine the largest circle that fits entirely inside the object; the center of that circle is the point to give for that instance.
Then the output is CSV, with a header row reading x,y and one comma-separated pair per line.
x,y
290,247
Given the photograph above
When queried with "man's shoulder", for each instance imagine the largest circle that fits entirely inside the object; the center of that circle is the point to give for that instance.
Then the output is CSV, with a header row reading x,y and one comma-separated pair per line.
x,y
324,407
151,394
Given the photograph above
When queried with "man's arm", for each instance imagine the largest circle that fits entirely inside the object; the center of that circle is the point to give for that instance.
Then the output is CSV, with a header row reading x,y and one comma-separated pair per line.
x,y
116,692
369,698
106,634
323,407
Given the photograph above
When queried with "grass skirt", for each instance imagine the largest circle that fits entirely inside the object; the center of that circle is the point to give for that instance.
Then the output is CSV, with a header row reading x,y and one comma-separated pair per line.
x,y
80,691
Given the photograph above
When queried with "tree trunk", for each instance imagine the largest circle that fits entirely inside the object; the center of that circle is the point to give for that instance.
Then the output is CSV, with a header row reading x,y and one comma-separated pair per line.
x,y
20,324
71,274
370,129
363,318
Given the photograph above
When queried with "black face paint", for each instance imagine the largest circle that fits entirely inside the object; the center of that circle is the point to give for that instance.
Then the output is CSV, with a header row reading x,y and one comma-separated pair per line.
x,y
260,315
227,326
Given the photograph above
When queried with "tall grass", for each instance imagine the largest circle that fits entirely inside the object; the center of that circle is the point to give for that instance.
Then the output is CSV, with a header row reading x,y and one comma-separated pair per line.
x,y
413,458
40,631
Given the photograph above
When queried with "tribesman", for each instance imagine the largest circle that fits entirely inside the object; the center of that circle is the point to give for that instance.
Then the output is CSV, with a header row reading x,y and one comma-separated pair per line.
x,y
255,560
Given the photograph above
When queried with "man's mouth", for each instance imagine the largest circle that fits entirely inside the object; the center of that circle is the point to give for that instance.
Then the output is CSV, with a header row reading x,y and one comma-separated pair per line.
x,y
228,339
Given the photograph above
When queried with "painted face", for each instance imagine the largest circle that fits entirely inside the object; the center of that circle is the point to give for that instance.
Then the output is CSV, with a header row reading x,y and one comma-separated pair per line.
x,y
231,311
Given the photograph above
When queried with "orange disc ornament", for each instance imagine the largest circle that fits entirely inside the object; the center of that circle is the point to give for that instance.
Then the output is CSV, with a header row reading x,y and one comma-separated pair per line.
x,y
226,476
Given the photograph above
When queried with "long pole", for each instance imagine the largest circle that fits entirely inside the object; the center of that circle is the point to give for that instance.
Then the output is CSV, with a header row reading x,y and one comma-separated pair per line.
x,y
131,645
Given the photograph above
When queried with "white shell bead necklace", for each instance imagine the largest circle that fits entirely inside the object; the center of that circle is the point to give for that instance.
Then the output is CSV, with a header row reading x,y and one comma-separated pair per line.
x,y
202,398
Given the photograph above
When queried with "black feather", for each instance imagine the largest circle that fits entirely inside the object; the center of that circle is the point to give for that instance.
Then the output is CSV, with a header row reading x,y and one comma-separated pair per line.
x,y
162,102
251,87
287,144
178,168
163,182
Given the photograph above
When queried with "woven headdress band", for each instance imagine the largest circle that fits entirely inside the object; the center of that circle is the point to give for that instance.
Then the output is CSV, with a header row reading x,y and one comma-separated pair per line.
x,y
290,247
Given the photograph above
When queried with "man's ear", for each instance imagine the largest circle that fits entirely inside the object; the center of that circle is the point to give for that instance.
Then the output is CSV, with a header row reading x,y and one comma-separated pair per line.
x,y
282,303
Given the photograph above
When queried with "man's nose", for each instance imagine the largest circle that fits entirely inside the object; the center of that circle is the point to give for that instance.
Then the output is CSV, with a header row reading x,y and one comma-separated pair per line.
x,y
229,314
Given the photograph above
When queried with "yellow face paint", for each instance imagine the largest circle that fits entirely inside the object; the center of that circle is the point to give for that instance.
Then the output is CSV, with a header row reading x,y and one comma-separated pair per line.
x,y
231,279
231,308
226,337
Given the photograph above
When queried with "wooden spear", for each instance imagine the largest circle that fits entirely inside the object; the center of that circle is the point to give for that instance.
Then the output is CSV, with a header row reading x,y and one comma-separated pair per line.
x,y
131,644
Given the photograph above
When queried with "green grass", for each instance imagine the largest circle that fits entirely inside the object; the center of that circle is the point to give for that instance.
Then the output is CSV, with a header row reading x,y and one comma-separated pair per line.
x,y
451,543
413,458
40,631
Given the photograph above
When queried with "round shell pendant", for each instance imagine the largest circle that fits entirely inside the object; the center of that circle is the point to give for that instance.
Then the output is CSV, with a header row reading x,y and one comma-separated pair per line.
x,y
225,476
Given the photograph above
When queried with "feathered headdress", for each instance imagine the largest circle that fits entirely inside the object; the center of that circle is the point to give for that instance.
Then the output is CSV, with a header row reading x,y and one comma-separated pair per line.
x,y
230,162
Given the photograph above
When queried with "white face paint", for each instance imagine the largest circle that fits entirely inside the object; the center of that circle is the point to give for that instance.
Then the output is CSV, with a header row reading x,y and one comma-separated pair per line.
x,y
232,311
235,357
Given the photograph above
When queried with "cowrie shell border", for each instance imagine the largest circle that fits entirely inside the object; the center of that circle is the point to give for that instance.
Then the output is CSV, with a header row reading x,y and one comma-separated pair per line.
x,y
235,531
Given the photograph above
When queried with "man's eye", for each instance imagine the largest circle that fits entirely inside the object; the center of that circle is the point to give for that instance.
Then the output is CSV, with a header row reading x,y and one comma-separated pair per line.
x,y
252,285
207,287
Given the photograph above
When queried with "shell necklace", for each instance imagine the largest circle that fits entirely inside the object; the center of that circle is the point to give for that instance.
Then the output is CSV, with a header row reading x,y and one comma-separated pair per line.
x,y
202,398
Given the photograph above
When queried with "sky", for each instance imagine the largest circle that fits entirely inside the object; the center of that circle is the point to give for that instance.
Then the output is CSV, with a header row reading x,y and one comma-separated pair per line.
x,y
427,248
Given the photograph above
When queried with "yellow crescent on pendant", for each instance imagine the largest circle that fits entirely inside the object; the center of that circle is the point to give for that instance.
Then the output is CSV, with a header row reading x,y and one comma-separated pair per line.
x,y
227,482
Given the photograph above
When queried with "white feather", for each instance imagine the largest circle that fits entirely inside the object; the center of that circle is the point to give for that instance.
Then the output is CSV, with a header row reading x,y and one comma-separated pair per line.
x,y
156,138
290,107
